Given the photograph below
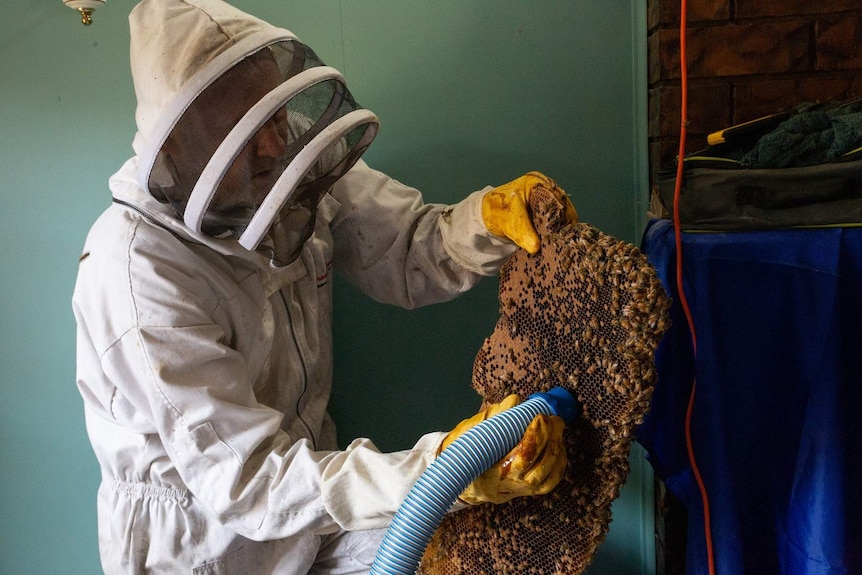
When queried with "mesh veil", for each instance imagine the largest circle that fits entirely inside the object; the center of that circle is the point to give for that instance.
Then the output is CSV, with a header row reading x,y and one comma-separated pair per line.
x,y
230,147
585,313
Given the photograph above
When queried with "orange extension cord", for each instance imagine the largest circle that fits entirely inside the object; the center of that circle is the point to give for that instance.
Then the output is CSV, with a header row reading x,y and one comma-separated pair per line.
x,y
679,282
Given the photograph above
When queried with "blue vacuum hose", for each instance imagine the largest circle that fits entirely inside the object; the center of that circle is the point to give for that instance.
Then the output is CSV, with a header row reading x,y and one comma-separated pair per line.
x,y
455,468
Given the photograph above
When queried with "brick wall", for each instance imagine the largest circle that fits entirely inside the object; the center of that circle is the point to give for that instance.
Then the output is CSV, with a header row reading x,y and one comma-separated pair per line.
x,y
747,59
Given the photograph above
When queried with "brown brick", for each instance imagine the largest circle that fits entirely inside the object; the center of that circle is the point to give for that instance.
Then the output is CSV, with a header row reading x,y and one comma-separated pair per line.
x,y
773,8
663,55
733,50
738,50
709,106
654,59
837,43
654,110
653,18
759,98
666,12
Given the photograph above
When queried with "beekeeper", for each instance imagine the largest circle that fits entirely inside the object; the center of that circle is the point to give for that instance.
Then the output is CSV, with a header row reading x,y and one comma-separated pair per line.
x,y
203,304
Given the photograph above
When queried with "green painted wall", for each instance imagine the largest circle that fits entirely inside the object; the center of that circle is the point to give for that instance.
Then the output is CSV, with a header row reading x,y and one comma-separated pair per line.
x,y
469,93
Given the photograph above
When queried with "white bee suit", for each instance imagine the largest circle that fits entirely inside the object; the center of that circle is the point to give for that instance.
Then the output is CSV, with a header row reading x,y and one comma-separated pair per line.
x,y
205,369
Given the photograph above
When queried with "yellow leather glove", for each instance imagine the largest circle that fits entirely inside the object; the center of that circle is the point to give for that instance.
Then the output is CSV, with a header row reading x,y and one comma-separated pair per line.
x,y
534,467
506,209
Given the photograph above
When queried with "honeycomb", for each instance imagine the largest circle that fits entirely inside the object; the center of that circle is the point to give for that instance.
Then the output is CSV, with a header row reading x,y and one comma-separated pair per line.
x,y
585,313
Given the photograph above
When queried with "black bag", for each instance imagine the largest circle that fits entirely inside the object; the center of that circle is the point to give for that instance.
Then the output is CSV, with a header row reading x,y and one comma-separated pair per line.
x,y
721,193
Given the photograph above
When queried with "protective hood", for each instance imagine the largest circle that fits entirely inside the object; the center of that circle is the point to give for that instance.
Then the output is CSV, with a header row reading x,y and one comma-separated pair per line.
x,y
241,127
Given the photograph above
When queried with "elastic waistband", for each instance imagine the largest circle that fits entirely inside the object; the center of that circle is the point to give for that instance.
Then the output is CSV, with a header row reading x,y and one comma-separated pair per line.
x,y
148,490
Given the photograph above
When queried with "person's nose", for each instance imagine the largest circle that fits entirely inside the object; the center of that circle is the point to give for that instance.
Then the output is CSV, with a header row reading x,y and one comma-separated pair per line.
x,y
269,143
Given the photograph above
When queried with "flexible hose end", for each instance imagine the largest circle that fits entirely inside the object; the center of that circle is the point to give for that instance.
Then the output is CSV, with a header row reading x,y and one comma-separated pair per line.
x,y
561,402
464,460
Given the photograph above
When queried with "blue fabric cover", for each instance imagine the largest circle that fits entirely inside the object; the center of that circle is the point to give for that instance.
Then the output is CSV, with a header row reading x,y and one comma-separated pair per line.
x,y
777,421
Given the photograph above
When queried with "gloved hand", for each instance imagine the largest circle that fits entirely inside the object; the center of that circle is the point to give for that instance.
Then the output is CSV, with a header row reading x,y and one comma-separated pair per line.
x,y
506,209
533,467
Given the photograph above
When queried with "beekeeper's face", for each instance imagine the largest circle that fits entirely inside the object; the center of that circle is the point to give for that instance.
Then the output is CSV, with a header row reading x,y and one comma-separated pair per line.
x,y
212,116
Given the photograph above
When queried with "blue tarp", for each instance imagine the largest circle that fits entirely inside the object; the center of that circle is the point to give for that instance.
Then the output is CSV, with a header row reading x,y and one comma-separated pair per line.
x,y
777,421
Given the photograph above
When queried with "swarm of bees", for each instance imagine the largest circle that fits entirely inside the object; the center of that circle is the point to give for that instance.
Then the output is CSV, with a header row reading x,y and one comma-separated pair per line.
x,y
586,313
